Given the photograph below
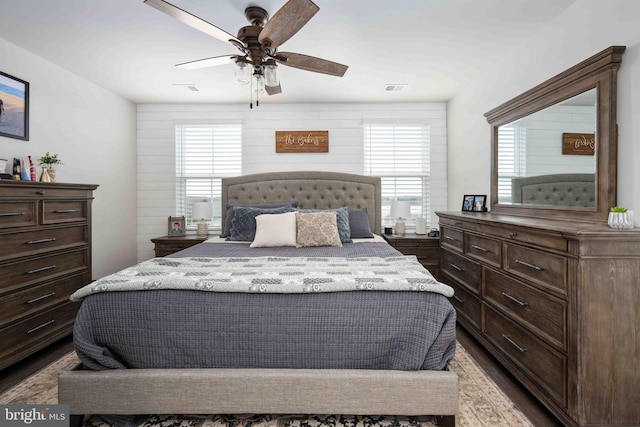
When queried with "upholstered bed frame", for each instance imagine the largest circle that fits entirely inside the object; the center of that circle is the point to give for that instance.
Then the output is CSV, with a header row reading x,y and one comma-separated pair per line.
x,y
271,391
565,189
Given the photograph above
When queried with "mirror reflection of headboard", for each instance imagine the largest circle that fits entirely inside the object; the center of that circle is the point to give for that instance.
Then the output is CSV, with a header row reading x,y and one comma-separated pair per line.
x,y
599,72
564,189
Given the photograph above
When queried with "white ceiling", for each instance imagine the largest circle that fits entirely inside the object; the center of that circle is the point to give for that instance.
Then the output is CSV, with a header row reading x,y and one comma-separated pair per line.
x,y
127,47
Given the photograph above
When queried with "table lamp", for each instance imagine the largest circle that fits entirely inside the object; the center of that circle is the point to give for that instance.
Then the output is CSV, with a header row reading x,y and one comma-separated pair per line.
x,y
202,211
400,210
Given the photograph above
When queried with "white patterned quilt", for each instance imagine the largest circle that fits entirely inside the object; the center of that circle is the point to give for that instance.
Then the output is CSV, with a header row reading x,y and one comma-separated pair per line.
x,y
272,275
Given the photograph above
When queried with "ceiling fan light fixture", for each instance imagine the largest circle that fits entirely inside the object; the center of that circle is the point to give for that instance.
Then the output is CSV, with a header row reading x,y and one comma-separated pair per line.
x,y
259,84
271,75
242,73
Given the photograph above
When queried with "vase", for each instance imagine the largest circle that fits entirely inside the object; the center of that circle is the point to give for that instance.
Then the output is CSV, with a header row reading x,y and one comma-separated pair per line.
x,y
620,220
52,175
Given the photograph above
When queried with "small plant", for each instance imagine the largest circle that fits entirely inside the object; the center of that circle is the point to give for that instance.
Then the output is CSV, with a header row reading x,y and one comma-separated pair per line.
x,y
618,209
49,160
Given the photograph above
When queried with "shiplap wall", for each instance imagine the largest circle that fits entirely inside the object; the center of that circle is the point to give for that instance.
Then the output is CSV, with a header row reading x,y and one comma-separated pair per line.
x,y
156,147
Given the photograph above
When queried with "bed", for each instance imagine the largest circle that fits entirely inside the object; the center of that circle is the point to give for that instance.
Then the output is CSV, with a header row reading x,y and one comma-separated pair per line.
x,y
315,349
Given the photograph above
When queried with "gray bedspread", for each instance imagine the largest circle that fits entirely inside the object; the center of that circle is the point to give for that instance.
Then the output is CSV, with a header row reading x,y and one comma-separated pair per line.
x,y
190,329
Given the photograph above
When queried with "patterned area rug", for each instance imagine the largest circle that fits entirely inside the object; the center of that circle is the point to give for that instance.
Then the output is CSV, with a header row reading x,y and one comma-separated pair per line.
x,y
481,404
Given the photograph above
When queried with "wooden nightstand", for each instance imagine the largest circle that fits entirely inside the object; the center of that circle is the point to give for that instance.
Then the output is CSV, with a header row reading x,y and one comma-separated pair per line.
x,y
166,245
426,248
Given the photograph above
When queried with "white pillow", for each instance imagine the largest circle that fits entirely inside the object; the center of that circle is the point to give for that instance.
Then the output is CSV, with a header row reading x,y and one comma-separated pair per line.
x,y
275,230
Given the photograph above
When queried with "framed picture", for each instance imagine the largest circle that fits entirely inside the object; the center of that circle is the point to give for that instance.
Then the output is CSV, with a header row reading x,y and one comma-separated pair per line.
x,y
176,226
14,107
474,203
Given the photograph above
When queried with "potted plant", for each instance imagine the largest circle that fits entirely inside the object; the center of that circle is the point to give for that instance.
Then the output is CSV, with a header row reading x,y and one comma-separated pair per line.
x,y
620,218
49,161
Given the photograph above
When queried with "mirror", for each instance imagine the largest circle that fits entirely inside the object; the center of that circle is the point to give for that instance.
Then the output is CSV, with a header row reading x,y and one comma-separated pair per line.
x,y
555,146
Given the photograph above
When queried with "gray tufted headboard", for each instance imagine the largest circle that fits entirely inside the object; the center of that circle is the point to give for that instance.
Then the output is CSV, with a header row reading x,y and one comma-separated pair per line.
x,y
565,189
312,190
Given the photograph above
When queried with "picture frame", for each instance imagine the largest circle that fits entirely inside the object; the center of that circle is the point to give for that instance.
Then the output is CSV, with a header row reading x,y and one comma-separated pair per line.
x,y
176,226
14,107
474,203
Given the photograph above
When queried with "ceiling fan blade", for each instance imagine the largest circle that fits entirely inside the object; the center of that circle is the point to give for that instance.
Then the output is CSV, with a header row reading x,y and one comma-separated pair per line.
x,y
311,63
287,21
191,20
207,62
273,90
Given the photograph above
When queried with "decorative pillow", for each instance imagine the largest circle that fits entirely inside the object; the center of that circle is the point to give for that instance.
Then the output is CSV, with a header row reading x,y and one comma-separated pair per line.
x,y
243,225
317,229
359,224
275,230
342,215
226,230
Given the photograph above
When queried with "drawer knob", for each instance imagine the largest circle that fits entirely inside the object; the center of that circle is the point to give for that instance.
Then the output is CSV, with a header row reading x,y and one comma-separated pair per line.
x,y
513,234
479,248
514,299
40,193
531,266
510,341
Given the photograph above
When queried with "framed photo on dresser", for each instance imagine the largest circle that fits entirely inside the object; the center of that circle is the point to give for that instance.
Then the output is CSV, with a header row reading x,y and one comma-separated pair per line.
x,y
176,226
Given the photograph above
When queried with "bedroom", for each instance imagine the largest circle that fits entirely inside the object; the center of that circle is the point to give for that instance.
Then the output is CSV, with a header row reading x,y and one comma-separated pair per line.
x,y
98,132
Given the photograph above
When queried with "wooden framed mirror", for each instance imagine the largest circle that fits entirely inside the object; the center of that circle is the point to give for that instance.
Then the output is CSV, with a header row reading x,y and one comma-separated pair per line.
x,y
554,147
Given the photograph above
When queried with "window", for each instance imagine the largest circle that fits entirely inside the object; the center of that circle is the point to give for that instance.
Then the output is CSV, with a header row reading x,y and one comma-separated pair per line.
x,y
512,156
399,155
205,154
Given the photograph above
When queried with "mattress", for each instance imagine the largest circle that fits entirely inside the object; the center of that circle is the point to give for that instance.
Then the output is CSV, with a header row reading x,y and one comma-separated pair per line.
x,y
178,328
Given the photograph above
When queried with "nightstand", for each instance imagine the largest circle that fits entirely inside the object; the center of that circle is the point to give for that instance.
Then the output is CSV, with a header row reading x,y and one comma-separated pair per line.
x,y
166,245
425,248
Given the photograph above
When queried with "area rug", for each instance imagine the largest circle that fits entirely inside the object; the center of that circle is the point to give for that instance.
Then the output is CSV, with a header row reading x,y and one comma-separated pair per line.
x,y
482,403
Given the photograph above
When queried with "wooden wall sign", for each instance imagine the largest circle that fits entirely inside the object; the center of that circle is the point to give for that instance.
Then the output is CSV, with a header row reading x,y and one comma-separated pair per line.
x,y
582,144
302,141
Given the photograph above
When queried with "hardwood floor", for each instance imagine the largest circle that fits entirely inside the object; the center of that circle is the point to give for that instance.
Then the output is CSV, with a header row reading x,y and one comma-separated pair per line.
x,y
538,415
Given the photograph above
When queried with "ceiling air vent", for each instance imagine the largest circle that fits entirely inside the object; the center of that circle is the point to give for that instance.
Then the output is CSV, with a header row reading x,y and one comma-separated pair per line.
x,y
395,87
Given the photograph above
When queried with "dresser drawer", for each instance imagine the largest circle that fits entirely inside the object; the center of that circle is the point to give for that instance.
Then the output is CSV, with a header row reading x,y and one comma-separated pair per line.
x,y
33,242
543,268
462,269
539,311
31,271
467,305
55,212
30,300
452,238
29,332
485,249
547,240
18,214
543,365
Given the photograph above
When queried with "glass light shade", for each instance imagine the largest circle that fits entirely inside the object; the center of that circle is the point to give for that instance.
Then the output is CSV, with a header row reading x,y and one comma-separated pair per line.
x,y
242,73
259,84
271,75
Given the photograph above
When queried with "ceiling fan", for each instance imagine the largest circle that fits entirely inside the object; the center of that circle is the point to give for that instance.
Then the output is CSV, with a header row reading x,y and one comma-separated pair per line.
x,y
258,43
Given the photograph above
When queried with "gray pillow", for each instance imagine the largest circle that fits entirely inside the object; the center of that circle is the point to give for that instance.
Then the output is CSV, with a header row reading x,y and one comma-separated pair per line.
x,y
243,225
359,224
342,218
226,230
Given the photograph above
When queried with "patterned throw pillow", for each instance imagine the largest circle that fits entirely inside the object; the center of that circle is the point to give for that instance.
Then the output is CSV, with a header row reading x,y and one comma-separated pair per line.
x,y
342,217
243,225
317,229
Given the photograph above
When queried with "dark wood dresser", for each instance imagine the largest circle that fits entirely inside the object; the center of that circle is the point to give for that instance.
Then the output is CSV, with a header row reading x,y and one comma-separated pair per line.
x,y
167,245
557,302
45,255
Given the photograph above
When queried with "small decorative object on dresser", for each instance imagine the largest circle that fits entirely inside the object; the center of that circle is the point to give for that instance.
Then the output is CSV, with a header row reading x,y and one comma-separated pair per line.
x,y
474,203
400,210
45,256
48,161
167,245
620,218
202,211
176,226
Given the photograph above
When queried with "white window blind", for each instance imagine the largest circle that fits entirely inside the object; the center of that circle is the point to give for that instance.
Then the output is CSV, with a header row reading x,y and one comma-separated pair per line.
x,y
399,155
205,154
512,156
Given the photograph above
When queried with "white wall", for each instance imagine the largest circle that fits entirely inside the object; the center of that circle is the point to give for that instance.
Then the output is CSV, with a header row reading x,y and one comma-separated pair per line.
x,y
93,131
156,147
584,29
